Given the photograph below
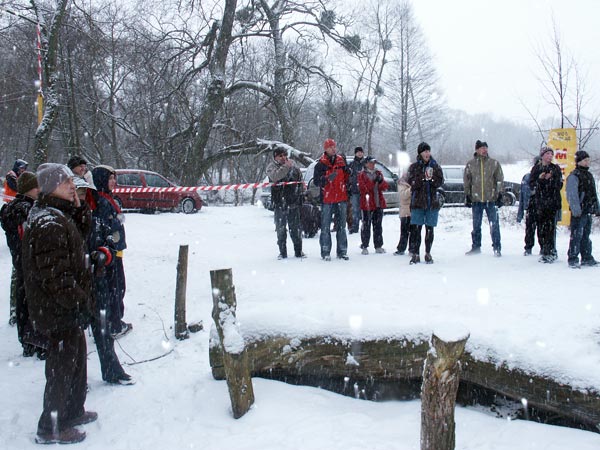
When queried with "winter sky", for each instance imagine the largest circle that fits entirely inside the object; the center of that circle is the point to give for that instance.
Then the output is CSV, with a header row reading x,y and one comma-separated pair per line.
x,y
485,50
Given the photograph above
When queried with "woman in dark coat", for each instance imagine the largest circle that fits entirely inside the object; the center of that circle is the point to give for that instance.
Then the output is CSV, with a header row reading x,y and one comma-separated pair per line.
x,y
108,216
424,176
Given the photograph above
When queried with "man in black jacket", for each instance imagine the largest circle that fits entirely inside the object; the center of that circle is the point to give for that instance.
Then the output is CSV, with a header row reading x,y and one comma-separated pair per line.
x,y
355,167
58,285
287,200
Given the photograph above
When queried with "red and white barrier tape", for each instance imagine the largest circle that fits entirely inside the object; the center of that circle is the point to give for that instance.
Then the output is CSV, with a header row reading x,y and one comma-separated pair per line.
x,y
223,187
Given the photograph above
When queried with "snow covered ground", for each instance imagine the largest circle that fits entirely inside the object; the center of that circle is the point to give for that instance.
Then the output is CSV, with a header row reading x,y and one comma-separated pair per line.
x,y
542,318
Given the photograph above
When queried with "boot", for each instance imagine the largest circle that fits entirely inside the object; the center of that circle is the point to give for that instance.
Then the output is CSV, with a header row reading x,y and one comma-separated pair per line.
x,y
66,436
428,258
415,259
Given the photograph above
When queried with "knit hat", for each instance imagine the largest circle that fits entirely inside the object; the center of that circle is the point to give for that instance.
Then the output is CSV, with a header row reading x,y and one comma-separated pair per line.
x,y
20,164
329,143
26,182
51,175
545,150
423,147
358,149
279,151
480,144
369,159
81,183
75,161
579,156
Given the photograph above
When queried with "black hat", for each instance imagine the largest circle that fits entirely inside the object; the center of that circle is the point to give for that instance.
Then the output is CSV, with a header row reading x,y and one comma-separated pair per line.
x,y
279,151
26,182
358,149
580,156
423,147
369,159
75,161
545,150
480,144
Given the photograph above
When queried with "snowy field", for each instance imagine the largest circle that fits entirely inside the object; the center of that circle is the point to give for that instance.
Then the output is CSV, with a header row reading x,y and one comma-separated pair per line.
x,y
542,318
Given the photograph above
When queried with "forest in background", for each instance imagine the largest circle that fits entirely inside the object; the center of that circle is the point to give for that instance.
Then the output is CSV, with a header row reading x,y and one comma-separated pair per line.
x,y
203,91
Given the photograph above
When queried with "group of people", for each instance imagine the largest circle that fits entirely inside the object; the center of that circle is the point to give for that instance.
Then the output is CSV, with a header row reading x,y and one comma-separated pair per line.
x,y
361,185
66,236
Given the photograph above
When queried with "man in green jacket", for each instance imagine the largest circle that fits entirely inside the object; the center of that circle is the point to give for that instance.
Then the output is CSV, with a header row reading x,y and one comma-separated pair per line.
x,y
483,183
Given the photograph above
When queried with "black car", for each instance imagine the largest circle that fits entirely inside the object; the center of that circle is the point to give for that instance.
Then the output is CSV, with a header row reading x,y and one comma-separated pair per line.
x,y
452,192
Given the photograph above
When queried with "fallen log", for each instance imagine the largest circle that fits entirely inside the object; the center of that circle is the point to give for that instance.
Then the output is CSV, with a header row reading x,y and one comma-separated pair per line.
x,y
402,361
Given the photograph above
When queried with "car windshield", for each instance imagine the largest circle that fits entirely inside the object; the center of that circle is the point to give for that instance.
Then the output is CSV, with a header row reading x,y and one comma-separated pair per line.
x,y
453,173
154,180
129,179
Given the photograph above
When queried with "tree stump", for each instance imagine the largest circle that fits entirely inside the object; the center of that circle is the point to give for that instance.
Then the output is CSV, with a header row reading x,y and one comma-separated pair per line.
x,y
181,331
438,394
235,358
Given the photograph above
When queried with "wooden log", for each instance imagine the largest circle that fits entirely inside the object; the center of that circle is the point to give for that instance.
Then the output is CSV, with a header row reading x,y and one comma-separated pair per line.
x,y
181,331
233,350
402,361
438,395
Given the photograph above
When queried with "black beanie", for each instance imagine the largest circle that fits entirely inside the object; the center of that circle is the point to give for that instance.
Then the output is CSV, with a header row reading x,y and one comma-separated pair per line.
x,y
480,144
75,161
423,146
358,149
580,156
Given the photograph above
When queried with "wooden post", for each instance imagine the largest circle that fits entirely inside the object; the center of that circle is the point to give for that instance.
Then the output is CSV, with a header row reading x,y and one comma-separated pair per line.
x,y
438,393
181,331
235,357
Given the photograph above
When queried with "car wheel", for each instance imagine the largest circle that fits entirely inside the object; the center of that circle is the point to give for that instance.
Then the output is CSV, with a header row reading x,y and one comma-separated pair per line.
x,y
509,199
187,206
441,198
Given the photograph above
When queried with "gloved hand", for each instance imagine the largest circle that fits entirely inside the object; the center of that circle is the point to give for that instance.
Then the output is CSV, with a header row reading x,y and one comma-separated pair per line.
x,y
468,202
100,259
332,176
379,178
499,201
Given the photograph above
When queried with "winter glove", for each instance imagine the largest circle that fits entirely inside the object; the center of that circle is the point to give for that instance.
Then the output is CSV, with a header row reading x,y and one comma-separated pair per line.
x,y
379,178
332,176
100,259
468,202
499,201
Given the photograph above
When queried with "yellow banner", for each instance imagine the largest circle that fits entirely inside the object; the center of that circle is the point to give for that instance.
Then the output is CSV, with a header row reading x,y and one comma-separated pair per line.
x,y
564,143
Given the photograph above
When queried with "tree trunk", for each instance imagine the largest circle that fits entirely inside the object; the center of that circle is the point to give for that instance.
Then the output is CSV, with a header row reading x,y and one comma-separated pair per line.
x,y
233,350
438,397
181,331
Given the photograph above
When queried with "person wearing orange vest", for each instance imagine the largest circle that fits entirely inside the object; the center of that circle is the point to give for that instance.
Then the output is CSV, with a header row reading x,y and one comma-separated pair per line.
x,y
10,182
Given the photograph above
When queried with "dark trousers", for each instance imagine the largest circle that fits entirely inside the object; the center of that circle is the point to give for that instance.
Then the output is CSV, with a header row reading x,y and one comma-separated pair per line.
x,y
372,219
415,239
288,217
115,308
66,378
579,241
546,231
105,344
530,224
404,233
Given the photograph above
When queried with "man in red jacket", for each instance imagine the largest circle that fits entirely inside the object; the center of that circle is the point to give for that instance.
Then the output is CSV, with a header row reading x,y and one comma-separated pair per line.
x,y
331,175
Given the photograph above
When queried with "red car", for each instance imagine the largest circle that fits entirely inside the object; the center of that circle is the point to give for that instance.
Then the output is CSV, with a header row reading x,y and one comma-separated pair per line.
x,y
174,199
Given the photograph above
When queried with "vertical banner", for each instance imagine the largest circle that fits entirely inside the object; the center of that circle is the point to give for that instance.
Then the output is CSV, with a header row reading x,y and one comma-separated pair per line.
x,y
564,143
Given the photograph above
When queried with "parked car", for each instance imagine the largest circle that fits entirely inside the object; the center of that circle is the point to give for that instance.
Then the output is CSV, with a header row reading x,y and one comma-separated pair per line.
x,y
392,199
452,192
171,200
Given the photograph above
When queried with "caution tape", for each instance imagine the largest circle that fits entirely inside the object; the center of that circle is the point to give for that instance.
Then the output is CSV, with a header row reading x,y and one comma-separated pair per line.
x,y
223,187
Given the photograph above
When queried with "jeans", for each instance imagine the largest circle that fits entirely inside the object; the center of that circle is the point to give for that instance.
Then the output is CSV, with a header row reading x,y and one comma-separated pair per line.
x,y
374,219
356,212
338,211
580,238
492,215
289,216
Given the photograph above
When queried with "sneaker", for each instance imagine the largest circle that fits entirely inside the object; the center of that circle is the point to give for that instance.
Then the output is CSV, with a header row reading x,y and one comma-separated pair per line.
x,y
126,328
123,379
66,436
344,257
574,265
364,251
527,252
474,251
398,253
497,253
281,256
380,250
326,258
415,259
589,262
428,259
300,255
86,417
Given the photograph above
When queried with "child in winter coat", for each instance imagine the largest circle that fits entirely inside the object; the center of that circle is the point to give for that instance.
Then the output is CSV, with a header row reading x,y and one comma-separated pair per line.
x,y
404,193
